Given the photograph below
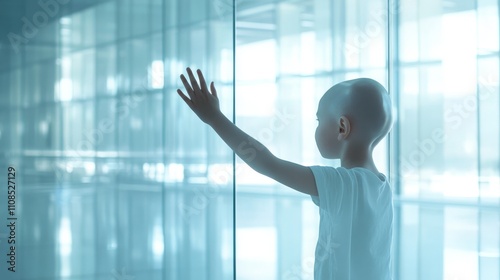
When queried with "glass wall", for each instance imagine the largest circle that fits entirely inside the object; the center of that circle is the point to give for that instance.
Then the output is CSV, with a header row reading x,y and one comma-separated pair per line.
x,y
447,139
117,179
446,74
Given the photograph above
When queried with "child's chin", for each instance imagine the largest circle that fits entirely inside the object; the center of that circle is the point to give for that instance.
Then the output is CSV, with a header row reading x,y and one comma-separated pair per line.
x,y
329,156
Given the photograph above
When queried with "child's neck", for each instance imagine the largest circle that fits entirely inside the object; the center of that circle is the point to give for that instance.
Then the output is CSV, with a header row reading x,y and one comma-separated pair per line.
x,y
358,159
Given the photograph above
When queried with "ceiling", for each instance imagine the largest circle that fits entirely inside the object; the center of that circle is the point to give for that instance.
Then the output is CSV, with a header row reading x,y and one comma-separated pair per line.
x,y
255,18
12,13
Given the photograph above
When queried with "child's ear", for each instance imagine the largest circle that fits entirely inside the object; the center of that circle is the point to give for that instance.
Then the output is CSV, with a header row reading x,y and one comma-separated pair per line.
x,y
344,128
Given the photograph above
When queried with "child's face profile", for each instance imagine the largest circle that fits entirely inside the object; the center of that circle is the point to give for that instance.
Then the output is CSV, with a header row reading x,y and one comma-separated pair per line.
x,y
326,137
327,132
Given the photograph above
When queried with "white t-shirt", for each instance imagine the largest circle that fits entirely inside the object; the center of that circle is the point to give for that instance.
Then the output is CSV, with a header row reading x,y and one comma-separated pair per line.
x,y
355,228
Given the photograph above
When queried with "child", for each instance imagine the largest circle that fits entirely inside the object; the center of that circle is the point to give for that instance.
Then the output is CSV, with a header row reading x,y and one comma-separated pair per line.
x,y
355,200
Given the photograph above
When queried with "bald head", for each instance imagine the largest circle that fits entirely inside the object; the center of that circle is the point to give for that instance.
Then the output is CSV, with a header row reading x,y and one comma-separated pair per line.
x,y
367,106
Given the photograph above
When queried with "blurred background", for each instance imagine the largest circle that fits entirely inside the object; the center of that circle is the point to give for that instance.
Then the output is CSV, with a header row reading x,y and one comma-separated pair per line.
x,y
117,179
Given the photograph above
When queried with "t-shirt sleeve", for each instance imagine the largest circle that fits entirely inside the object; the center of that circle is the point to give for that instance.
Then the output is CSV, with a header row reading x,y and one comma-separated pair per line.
x,y
331,187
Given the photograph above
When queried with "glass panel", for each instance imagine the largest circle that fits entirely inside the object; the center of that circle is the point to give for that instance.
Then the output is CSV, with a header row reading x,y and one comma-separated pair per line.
x,y
289,53
116,177
447,138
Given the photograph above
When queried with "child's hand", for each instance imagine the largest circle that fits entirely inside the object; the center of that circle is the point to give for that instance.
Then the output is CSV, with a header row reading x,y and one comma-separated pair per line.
x,y
201,101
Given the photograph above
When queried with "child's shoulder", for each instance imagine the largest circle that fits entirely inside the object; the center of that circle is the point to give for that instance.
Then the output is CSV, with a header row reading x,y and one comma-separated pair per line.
x,y
325,170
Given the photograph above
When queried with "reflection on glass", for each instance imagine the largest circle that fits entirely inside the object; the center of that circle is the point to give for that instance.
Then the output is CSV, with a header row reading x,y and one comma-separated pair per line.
x,y
448,139
114,169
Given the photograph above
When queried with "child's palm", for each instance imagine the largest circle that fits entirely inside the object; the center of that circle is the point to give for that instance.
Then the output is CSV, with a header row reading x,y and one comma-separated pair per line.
x,y
201,101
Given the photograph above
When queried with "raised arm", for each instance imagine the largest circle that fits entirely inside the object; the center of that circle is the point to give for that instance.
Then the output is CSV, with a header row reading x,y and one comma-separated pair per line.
x,y
256,155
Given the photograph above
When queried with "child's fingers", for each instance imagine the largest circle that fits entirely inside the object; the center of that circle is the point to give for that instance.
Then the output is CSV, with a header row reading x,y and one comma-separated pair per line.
x,y
194,83
203,84
187,86
185,98
214,92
